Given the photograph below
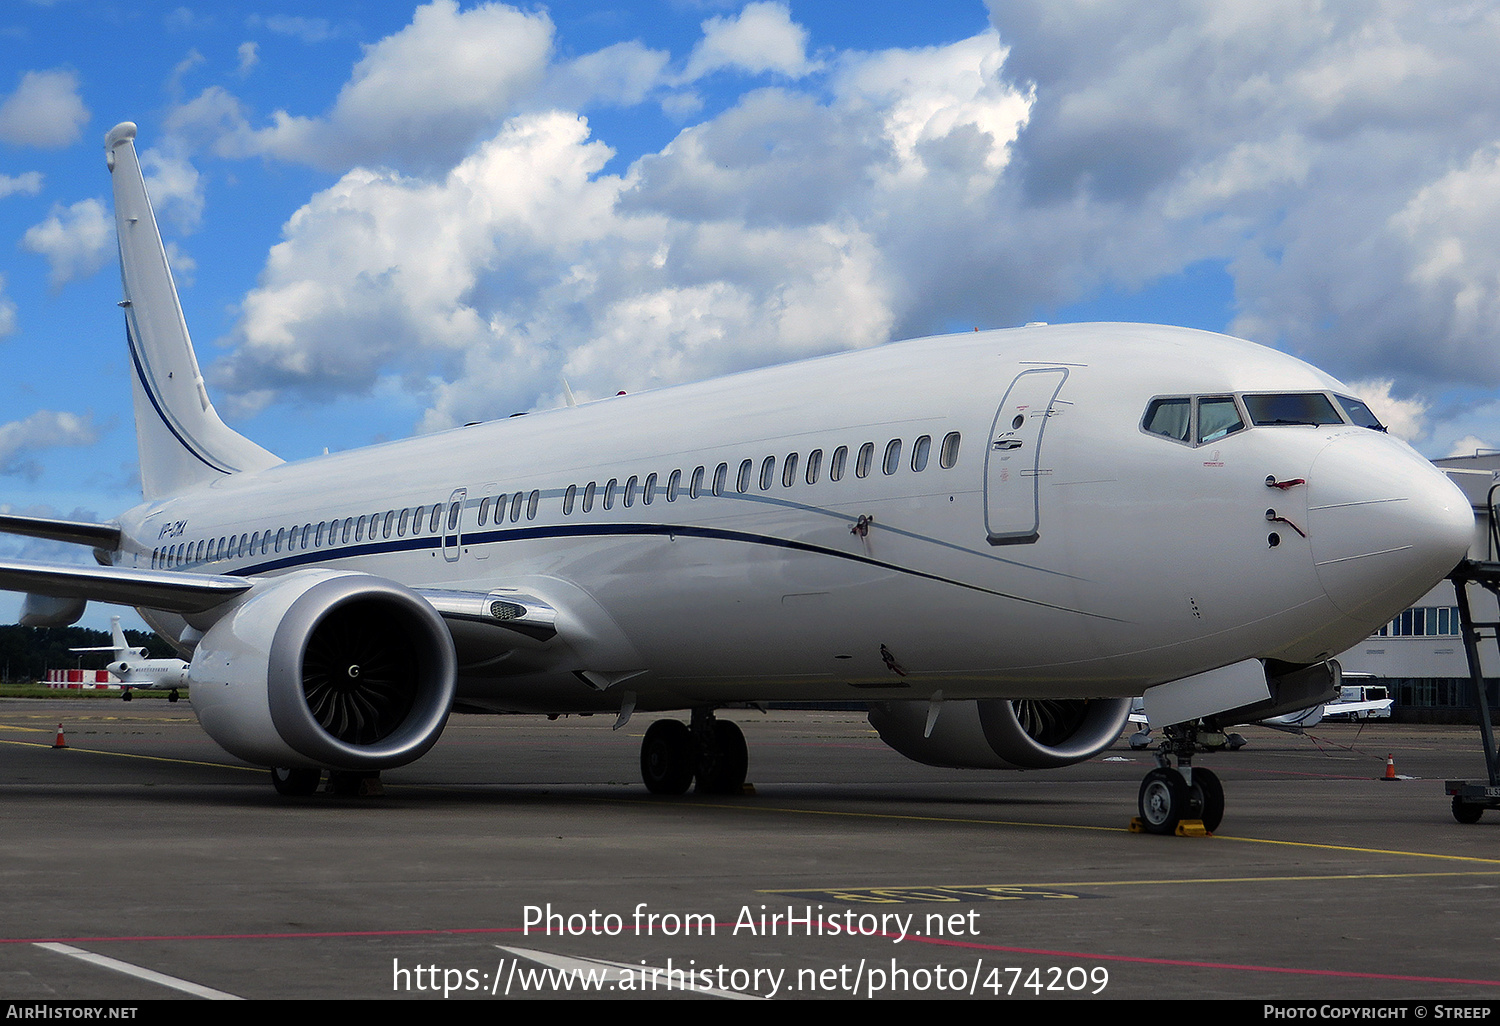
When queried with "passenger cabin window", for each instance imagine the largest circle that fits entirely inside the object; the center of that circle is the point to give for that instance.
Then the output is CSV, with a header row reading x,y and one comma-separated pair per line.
x,y
920,452
836,465
568,497
814,464
892,461
864,459
948,454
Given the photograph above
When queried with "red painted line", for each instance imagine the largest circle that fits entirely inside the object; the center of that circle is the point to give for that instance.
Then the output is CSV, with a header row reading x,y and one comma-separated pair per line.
x,y
259,936
1186,963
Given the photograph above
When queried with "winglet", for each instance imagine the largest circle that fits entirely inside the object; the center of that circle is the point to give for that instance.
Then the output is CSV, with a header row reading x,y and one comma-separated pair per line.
x,y
183,443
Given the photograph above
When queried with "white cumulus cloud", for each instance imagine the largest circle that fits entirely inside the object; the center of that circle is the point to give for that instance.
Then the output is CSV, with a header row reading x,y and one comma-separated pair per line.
x,y
75,240
44,111
45,429
7,311
761,38
422,96
28,183
1339,161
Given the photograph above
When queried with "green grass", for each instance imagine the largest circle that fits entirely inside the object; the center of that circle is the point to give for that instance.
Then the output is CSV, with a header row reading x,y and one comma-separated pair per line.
x,y
18,690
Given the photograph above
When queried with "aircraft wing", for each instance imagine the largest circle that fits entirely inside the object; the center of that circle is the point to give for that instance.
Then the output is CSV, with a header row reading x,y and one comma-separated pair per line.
x,y
100,536
126,586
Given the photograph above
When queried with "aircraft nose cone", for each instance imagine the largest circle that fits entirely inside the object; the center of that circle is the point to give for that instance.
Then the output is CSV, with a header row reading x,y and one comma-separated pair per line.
x,y
1384,524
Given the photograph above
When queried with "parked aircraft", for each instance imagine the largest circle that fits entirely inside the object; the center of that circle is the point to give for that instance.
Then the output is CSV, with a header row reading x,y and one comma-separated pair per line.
x,y
133,668
997,538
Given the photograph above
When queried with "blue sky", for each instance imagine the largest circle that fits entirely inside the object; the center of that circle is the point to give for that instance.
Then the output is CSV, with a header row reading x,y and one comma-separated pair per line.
x,y
389,218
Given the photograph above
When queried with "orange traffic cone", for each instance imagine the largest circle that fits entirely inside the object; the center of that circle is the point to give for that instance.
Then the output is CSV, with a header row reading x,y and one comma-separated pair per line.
x,y
59,743
1390,768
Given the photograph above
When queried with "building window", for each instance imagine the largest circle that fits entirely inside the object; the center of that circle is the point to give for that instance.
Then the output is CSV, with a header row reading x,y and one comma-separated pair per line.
x,y
1422,621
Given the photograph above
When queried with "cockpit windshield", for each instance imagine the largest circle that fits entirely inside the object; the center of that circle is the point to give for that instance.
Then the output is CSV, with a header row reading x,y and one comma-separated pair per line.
x,y
1360,414
1310,408
1197,420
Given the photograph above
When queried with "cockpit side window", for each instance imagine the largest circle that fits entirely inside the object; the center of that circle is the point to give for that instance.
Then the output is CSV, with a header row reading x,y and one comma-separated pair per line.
x,y
1360,414
1218,416
1171,418
1309,408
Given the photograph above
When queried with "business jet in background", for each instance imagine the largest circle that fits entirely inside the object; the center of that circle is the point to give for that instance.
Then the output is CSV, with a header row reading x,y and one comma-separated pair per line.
x,y
134,669
996,538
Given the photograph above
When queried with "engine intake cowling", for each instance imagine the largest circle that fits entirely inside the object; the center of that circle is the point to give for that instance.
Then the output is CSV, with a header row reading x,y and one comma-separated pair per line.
x,y
325,668
1001,733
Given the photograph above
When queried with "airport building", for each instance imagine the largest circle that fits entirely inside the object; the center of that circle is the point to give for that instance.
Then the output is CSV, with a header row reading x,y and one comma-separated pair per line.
x,y
1419,656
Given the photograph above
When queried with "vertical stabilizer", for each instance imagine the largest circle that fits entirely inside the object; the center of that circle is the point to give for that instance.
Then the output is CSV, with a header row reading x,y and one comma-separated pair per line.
x,y
183,443
117,634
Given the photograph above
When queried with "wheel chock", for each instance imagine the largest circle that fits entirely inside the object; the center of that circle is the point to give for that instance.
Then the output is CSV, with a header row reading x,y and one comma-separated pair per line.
x,y
1185,828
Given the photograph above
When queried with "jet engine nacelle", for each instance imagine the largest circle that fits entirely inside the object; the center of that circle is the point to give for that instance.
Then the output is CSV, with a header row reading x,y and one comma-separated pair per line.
x,y
1002,734
325,668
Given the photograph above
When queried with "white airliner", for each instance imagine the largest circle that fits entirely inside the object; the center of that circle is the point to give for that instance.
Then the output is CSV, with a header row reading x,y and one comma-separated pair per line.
x,y
133,668
997,538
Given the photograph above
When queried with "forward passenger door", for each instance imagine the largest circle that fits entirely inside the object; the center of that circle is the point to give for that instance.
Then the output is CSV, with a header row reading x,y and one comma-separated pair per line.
x,y
1013,460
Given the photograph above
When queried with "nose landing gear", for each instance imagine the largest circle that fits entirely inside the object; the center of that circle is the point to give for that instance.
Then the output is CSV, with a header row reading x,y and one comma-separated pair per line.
x,y
1171,795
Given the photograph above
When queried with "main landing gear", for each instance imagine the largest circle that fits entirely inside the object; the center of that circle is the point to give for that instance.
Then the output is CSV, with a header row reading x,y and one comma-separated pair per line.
x,y
1169,795
299,783
712,751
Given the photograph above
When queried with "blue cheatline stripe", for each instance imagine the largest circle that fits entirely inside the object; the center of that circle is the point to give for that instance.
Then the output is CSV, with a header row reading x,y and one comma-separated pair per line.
x,y
193,449
313,557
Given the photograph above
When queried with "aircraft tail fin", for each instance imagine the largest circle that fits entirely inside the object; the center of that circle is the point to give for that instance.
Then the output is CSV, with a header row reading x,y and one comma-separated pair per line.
x,y
117,634
183,444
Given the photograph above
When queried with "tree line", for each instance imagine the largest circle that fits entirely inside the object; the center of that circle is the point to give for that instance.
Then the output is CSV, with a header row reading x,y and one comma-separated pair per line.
x,y
27,653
